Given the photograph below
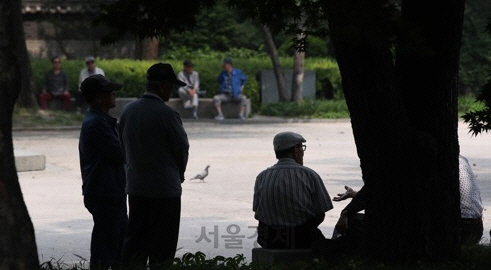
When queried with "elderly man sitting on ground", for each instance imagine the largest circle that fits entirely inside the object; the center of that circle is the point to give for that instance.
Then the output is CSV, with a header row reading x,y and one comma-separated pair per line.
x,y
290,200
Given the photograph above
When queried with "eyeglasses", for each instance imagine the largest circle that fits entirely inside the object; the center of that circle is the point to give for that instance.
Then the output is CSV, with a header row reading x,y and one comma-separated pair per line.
x,y
304,147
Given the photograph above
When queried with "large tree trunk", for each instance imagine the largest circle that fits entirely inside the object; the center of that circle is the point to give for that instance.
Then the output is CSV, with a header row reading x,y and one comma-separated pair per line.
x,y
27,98
298,72
147,49
299,62
17,242
402,160
275,60
427,68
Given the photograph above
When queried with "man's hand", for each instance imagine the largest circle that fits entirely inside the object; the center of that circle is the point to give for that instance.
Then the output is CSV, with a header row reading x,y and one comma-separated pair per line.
x,y
350,193
342,224
191,91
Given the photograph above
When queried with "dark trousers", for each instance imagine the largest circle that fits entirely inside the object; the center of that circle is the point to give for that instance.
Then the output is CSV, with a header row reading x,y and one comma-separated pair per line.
x,y
110,221
285,237
349,243
153,231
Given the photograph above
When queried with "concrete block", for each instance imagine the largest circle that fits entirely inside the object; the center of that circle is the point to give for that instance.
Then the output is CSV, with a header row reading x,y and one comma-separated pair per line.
x,y
269,89
57,105
279,256
26,161
206,108
117,111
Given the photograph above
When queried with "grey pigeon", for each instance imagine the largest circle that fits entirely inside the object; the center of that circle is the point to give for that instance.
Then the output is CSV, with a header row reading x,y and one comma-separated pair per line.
x,y
201,176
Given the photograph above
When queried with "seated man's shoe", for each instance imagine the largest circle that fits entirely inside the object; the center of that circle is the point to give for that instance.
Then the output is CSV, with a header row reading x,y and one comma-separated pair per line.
x,y
241,117
219,117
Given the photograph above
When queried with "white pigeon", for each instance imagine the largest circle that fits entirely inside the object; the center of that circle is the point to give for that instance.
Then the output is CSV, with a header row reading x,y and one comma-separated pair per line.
x,y
201,176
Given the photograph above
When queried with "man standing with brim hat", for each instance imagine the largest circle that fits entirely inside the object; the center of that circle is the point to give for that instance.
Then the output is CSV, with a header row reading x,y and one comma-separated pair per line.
x,y
156,149
103,176
290,200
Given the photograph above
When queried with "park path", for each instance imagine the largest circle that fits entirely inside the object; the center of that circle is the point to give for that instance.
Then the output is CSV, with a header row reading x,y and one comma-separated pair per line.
x,y
217,216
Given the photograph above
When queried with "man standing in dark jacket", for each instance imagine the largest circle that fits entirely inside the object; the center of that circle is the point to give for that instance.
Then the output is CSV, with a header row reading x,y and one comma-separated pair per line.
x,y
156,150
102,167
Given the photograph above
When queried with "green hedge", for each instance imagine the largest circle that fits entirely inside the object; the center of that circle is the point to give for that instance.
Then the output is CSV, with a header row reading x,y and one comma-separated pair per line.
x,y
132,73
328,109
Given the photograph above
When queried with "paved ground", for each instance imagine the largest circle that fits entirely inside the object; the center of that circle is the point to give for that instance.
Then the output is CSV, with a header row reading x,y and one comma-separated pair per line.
x,y
216,215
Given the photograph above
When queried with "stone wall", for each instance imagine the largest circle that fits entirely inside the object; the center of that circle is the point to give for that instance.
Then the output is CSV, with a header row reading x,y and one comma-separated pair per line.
x,y
44,40
269,88
65,28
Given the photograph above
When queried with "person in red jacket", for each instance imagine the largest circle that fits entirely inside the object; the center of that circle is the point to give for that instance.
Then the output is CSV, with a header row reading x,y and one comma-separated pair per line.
x,y
56,86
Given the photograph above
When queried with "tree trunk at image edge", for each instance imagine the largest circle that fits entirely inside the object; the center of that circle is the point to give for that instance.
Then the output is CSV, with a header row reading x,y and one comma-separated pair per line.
x,y
147,49
432,105
17,241
406,135
298,72
275,60
27,98
298,62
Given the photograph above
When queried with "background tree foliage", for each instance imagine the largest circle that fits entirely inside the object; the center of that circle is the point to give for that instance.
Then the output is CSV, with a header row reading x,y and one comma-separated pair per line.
x,y
475,58
219,28
480,120
149,18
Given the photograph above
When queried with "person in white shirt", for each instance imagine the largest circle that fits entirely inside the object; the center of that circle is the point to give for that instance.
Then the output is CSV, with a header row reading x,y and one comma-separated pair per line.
x,y
88,71
471,226
470,204
189,93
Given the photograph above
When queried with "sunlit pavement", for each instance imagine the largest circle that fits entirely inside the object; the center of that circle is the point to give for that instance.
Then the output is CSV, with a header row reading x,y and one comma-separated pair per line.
x,y
217,216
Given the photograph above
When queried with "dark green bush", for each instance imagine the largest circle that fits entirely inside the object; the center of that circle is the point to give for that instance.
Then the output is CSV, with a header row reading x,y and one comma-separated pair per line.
x,y
316,47
132,72
469,103
473,257
308,109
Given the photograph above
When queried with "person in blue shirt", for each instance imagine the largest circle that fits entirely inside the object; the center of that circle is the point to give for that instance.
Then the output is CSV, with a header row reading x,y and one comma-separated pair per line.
x,y
232,83
103,174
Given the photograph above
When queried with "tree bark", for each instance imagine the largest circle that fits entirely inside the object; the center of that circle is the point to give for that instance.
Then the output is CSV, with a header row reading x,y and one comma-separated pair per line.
x,y
403,155
27,98
427,69
17,242
299,61
298,72
275,60
147,49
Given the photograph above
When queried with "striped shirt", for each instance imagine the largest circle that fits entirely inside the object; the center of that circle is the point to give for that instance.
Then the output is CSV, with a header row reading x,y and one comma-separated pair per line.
x,y
289,194
470,197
